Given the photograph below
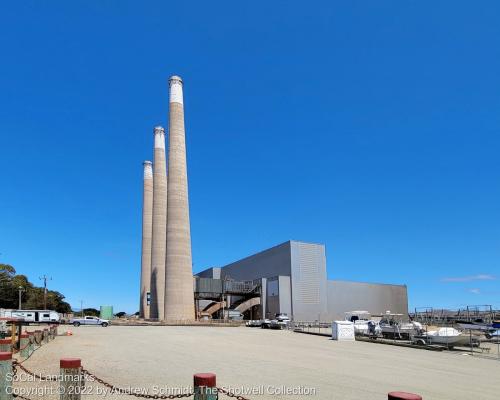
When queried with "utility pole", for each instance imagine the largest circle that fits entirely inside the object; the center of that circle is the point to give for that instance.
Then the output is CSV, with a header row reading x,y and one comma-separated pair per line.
x,y
44,279
21,290
81,307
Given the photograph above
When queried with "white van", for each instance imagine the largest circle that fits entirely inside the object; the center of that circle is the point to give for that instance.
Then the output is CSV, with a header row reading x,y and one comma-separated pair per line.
x,y
40,316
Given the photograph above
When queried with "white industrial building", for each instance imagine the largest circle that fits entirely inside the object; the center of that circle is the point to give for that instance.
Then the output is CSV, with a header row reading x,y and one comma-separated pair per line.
x,y
291,278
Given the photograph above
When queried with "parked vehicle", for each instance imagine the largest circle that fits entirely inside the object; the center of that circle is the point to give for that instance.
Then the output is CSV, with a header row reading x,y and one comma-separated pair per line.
x,y
36,316
493,335
90,321
282,317
280,321
265,323
254,323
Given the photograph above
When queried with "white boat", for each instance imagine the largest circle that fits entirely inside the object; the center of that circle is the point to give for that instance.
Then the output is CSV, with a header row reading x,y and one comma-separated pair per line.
x,y
475,326
393,327
363,323
449,337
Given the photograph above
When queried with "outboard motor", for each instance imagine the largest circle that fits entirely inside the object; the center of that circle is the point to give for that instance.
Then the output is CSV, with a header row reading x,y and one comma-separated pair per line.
x,y
418,327
372,328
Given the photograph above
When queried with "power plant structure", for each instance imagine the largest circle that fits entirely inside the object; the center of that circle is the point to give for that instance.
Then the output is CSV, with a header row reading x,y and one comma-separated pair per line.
x,y
166,263
290,278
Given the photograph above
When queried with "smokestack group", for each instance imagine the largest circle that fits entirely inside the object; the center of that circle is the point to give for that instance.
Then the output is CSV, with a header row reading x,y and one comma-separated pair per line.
x,y
166,267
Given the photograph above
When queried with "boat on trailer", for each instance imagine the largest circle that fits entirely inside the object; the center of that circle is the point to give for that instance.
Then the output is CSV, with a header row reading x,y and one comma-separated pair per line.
x,y
449,337
394,327
363,323
476,325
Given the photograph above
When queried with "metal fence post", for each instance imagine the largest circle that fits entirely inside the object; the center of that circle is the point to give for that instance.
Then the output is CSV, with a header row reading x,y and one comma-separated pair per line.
x,y
32,342
205,387
71,379
403,396
5,373
24,345
498,346
38,337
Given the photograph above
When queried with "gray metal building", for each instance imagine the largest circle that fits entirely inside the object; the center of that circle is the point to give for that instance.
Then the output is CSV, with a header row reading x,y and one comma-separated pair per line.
x,y
293,280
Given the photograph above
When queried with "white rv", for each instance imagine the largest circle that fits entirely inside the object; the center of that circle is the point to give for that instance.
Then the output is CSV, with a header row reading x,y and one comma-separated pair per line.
x,y
36,316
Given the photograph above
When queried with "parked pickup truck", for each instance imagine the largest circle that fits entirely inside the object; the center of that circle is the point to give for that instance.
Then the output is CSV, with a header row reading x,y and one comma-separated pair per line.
x,y
90,321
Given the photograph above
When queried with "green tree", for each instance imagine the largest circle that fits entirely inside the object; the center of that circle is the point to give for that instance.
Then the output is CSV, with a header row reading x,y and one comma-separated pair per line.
x,y
91,312
7,291
32,296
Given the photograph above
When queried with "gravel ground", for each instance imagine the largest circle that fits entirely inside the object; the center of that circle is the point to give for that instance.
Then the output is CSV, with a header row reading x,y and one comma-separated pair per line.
x,y
263,361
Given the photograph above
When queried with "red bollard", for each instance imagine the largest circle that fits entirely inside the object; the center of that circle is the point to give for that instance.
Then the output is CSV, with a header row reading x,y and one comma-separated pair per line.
x,y
205,387
5,345
71,379
403,396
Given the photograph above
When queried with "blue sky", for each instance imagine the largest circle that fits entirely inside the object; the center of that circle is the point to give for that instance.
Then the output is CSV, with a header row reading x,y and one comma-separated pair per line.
x,y
372,127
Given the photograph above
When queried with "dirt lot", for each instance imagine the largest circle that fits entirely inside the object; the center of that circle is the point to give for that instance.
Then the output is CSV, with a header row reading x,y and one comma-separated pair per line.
x,y
262,364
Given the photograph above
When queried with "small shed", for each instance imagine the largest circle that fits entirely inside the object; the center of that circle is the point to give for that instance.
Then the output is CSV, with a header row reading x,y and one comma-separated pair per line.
x,y
343,330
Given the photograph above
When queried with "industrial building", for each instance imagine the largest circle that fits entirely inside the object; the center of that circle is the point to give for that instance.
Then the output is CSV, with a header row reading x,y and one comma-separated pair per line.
x,y
291,278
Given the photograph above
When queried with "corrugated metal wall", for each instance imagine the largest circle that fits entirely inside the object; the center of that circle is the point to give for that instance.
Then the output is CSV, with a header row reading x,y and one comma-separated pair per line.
x,y
372,297
308,281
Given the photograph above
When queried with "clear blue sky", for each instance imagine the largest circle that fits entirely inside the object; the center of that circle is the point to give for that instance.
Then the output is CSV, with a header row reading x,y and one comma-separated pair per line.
x,y
372,127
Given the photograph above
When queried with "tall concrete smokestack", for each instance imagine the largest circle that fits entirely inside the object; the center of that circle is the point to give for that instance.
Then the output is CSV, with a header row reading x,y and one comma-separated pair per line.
x,y
147,233
179,300
158,243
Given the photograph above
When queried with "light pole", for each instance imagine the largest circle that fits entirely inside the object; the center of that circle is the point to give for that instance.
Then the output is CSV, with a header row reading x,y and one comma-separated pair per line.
x,y
81,307
21,290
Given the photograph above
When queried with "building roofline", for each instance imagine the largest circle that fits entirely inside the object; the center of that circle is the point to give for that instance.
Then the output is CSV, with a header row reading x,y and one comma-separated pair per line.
x,y
258,253
302,241
367,283
290,241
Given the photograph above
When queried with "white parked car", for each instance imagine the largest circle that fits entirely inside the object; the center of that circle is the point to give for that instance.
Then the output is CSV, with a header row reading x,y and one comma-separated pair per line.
x,y
282,317
90,321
